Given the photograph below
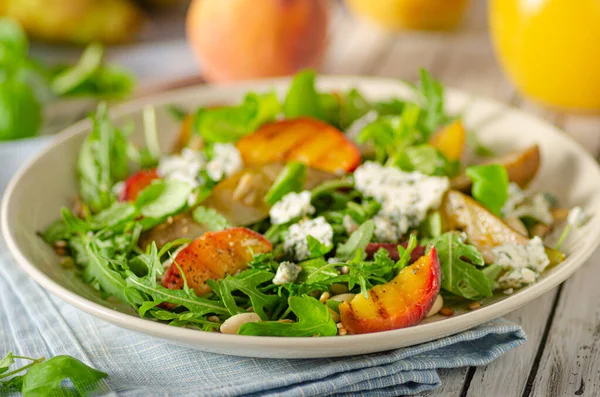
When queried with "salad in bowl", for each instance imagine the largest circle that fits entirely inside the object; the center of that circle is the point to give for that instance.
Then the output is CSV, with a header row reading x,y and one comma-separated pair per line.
x,y
316,214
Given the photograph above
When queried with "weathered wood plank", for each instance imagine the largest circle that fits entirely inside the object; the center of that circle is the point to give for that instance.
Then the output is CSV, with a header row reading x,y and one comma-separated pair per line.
x,y
570,364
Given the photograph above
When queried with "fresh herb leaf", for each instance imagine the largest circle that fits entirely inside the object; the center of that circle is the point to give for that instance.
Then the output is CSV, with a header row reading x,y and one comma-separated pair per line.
x,y
44,379
20,109
432,92
357,242
163,198
313,319
317,248
460,277
490,185
210,218
290,179
431,227
231,123
112,216
405,252
316,270
98,271
55,232
302,98
427,160
246,282
353,106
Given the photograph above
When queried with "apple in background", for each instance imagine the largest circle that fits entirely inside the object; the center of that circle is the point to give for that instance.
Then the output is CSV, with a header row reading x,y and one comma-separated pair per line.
x,y
402,302
410,14
246,39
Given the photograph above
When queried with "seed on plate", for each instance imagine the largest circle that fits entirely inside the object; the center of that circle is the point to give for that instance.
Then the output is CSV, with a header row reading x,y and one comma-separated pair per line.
x,y
250,309
61,251
334,315
474,305
340,325
338,289
170,220
285,320
232,324
342,331
437,306
214,319
560,214
343,297
324,297
67,262
60,244
446,311
344,270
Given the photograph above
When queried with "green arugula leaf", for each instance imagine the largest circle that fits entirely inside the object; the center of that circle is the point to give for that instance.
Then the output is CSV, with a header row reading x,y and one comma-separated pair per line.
x,y
44,379
231,123
433,95
55,232
246,282
116,214
313,319
14,45
6,362
316,270
290,179
316,248
185,318
98,271
427,160
302,98
357,242
353,106
20,109
490,185
102,161
431,227
405,252
163,198
184,297
460,277
210,218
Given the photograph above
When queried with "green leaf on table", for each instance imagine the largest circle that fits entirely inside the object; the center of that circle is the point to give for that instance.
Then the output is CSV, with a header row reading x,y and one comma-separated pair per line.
x,y
13,42
231,123
313,319
210,218
44,379
357,242
490,185
290,179
246,282
458,260
163,198
302,98
6,362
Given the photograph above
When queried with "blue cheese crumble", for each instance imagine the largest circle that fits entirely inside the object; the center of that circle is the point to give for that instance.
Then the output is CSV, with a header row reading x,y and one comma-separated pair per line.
x,y
523,264
295,243
225,161
576,217
291,206
386,231
405,197
519,205
184,166
287,272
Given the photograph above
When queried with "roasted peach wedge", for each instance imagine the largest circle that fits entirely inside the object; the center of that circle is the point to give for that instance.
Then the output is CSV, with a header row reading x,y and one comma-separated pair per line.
x,y
309,141
400,303
136,183
213,256
450,140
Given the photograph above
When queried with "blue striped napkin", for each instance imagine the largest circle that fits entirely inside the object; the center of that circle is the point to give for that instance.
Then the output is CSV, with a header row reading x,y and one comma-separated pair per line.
x,y
36,324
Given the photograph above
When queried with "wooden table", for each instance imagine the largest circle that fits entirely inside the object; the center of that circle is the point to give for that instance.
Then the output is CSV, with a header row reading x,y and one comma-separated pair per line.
x,y
562,354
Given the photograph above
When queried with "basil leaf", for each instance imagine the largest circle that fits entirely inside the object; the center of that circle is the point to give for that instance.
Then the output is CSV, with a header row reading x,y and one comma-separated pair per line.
x,y
290,179
357,242
460,277
302,98
163,198
44,379
313,319
490,185
210,218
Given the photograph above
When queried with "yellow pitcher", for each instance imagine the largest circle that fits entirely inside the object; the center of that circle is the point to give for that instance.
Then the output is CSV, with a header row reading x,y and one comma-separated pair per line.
x,y
550,49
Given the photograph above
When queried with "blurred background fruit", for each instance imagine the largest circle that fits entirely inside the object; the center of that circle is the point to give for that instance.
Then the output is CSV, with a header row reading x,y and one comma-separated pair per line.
x,y
550,49
245,39
410,14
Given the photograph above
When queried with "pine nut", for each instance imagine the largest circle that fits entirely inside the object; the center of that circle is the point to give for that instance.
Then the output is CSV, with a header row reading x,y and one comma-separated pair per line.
x,y
437,306
446,311
343,297
474,305
324,297
232,324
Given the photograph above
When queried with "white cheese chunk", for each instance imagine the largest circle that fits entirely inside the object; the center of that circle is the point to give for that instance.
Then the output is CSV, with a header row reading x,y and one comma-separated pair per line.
x,y
386,231
519,205
287,272
576,217
184,167
405,197
226,160
523,264
295,240
292,205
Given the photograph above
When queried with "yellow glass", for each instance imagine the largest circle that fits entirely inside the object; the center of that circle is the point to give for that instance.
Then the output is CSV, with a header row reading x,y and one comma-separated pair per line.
x,y
550,49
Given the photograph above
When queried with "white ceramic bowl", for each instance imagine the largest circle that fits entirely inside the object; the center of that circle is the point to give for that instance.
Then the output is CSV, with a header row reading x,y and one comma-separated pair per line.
x,y
36,194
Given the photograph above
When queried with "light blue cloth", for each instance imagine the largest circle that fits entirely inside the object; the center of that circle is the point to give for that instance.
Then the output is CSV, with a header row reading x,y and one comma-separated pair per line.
x,y
34,323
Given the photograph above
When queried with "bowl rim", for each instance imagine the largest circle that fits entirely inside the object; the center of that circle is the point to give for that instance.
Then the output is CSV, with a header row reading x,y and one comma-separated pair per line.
x,y
448,326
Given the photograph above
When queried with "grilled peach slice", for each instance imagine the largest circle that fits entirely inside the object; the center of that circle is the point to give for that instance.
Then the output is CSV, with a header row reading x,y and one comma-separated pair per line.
x,y
309,141
450,140
136,183
402,302
214,255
